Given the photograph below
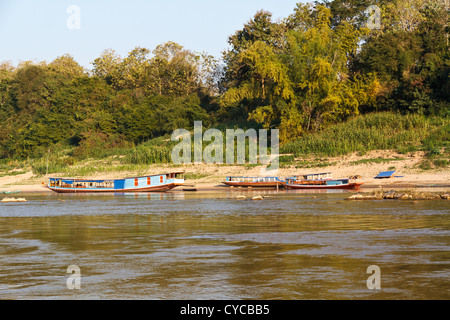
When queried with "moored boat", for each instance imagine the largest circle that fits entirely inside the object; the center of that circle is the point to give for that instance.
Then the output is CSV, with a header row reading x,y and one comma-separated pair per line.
x,y
321,181
10,192
254,182
190,188
152,183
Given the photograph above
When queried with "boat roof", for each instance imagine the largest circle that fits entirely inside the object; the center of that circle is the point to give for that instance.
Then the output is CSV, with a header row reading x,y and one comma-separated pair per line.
x,y
84,180
313,174
316,174
155,175
327,174
250,177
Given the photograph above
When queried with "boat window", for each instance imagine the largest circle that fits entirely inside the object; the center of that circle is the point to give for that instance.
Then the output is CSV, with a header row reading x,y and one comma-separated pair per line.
x,y
179,176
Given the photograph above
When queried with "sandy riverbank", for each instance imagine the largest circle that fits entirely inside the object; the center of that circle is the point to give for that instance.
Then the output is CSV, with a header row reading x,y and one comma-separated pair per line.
x,y
209,177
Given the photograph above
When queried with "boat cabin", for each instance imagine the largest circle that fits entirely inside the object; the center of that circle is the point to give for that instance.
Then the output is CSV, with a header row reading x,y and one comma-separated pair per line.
x,y
252,179
312,177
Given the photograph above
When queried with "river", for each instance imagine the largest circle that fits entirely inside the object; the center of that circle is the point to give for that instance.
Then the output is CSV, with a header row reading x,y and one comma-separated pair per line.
x,y
209,245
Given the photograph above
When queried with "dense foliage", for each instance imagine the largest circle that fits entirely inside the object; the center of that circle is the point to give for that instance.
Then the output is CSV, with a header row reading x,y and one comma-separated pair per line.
x,y
319,66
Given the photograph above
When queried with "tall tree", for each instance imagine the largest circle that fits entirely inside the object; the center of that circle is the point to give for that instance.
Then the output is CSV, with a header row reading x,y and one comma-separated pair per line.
x,y
107,66
260,28
174,70
304,84
409,55
66,66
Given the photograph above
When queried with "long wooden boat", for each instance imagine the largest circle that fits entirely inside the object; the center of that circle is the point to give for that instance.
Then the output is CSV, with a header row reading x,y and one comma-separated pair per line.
x,y
254,182
321,181
152,183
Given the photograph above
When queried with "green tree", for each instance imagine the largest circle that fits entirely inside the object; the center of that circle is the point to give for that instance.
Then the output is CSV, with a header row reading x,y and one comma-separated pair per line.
x,y
65,65
260,28
107,66
410,56
304,84
174,70
268,84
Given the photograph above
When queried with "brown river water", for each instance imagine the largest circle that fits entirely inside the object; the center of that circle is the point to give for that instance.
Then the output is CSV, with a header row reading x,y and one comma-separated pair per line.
x,y
211,246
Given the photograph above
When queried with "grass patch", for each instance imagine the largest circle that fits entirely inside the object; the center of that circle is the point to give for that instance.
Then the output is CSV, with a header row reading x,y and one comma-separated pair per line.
x,y
438,139
377,131
101,168
151,152
195,176
428,164
313,164
42,167
425,165
375,160
13,173
441,163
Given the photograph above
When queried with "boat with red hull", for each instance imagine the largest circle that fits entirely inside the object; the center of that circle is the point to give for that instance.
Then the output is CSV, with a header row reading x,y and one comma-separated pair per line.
x,y
322,181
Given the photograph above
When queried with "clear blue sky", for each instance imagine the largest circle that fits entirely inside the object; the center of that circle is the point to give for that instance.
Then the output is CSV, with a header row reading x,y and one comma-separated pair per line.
x,y
37,30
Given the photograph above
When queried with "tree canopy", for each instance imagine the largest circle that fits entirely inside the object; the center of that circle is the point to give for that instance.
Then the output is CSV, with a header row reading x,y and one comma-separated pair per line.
x,y
320,65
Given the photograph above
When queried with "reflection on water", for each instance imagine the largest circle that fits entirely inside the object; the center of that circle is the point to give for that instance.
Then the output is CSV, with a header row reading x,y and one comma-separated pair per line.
x,y
209,245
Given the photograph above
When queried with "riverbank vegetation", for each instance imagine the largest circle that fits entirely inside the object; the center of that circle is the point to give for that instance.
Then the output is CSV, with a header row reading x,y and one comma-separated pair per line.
x,y
331,83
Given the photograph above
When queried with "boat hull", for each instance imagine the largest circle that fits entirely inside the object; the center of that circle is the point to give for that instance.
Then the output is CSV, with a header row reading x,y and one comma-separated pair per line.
x,y
162,188
342,186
